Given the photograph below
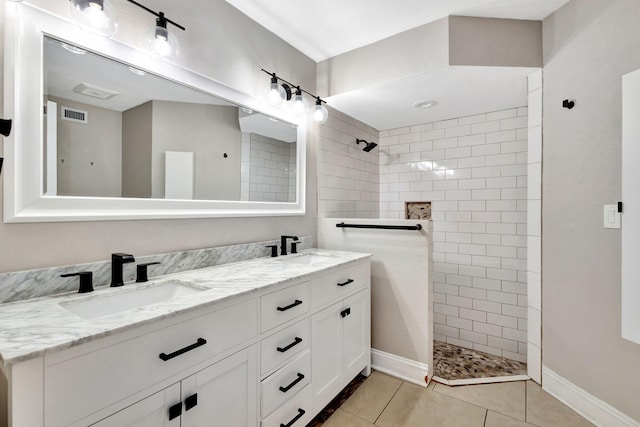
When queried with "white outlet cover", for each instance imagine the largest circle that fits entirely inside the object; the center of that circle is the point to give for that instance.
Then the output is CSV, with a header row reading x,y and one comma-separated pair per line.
x,y
611,216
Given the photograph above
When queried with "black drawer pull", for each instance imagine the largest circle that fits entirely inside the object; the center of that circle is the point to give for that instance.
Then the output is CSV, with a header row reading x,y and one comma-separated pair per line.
x,y
297,341
295,303
199,343
345,312
346,283
301,412
296,381
191,402
175,411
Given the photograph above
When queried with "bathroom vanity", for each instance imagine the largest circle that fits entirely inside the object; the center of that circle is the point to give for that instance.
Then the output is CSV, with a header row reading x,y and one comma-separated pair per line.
x,y
263,342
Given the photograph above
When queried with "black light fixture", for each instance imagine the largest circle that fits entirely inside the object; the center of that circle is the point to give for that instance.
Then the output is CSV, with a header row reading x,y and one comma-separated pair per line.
x,y
162,42
368,145
5,129
284,91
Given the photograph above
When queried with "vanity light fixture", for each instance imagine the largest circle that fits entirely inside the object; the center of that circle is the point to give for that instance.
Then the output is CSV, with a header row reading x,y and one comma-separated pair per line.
x,y
162,42
281,90
96,15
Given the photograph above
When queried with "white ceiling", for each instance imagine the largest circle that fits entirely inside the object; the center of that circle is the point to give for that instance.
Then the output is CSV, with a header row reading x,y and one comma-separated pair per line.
x,y
325,28
459,91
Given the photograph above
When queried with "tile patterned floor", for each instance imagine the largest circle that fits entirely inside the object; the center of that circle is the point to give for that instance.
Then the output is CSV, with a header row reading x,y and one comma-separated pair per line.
x,y
385,401
455,363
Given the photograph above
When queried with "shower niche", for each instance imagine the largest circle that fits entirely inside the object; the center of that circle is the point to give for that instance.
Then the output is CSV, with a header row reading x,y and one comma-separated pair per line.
x,y
417,210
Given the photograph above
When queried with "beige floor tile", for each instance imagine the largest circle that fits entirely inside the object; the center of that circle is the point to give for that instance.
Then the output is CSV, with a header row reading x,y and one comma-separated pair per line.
x,y
370,399
505,398
546,411
498,420
414,406
342,418
432,385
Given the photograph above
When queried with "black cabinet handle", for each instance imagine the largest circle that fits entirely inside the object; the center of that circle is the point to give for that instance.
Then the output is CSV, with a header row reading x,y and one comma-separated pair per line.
x,y
294,304
301,412
296,381
199,343
175,411
297,341
346,283
345,312
191,401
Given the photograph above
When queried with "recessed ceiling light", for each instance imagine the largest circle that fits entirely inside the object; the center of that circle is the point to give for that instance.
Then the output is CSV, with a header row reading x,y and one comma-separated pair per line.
x,y
425,103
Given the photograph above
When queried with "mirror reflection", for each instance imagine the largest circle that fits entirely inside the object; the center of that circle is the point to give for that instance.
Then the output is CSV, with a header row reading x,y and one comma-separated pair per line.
x,y
115,131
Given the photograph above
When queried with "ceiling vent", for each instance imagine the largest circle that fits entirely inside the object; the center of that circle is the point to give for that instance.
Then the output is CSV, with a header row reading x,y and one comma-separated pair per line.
x,y
74,115
94,91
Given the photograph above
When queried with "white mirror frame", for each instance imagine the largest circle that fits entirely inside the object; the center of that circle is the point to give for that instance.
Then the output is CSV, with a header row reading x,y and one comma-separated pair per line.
x,y
24,199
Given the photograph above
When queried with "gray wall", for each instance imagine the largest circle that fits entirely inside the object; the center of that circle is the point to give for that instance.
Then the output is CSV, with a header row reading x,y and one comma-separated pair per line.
x,y
225,45
208,131
91,152
136,150
588,46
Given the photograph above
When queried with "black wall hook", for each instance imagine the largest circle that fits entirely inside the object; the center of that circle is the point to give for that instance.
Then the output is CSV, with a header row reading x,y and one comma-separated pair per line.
x,y
568,104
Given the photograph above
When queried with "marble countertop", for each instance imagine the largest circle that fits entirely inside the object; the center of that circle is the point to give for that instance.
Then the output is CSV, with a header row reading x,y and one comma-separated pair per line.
x,y
34,327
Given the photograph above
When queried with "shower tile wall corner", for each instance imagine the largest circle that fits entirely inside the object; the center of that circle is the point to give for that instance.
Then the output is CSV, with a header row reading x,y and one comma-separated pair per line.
x,y
474,171
348,178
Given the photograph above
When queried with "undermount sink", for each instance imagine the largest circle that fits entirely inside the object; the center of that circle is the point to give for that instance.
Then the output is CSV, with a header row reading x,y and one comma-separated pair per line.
x,y
305,259
99,306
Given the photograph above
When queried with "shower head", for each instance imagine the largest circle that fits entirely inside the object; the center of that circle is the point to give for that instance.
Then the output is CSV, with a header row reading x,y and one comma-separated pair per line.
x,y
368,145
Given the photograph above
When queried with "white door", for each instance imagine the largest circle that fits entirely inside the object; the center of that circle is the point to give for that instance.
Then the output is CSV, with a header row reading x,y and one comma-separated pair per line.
x,y
326,356
150,412
52,149
356,333
224,394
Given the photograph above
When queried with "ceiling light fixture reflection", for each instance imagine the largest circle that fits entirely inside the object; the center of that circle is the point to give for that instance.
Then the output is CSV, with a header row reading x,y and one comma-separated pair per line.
x,y
425,103
73,49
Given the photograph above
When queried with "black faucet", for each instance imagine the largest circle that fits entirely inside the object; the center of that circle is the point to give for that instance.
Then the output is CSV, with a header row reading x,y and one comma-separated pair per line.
x,y
86,281
117,260
283,243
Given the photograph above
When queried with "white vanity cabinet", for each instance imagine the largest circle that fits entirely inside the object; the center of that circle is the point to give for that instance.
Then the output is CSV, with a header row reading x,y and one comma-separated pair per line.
x,y
223,394
341,345
271,357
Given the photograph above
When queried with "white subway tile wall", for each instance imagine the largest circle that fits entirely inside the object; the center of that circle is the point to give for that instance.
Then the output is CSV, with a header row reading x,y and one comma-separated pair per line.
x,y
474,171
348,178
268,169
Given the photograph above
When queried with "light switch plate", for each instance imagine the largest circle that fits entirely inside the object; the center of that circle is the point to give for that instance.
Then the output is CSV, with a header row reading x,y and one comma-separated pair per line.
x,y
611,216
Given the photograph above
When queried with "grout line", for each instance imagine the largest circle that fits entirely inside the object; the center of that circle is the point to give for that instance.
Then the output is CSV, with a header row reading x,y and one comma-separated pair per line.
x,y
385,406
486,415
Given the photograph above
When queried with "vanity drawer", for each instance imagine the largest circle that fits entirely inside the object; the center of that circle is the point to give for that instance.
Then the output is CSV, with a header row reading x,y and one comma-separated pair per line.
x,y
296,412
338,284
103,377
286,382
281,306
283,345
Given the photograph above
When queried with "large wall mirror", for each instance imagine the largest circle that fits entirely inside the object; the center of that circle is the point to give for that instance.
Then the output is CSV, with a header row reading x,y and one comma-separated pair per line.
x,y
112,133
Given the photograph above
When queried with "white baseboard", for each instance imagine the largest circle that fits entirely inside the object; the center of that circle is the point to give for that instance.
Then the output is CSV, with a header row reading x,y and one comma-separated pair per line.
x,y
590,407
486,380
399,367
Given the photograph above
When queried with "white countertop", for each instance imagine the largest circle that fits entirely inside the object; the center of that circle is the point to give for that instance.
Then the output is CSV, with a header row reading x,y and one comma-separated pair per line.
x,y
37,326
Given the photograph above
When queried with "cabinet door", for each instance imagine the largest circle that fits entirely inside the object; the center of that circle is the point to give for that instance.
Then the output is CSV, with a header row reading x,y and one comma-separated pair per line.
x,y
357,339
326,357
150,412
224,394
